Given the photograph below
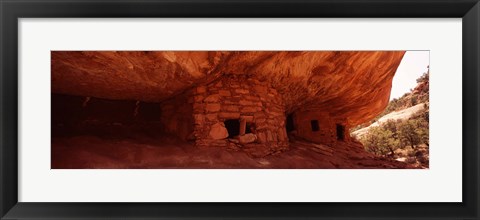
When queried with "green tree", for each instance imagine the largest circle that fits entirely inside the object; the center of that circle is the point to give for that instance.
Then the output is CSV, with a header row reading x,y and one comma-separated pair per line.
x,y
409,133
423,127
391,125
380,141
424,77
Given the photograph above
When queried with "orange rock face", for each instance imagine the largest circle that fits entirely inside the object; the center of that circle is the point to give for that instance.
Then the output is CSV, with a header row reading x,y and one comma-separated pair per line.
x,y
351,86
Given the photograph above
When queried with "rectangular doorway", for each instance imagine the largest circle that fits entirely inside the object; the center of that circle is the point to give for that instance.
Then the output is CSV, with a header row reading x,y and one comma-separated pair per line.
x,y
340,132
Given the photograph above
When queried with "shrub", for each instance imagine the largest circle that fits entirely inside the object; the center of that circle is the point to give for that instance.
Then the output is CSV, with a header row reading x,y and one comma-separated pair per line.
x,y
391,135
380,141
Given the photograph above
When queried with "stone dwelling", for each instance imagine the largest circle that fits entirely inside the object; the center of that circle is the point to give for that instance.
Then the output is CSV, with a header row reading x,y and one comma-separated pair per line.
x,y
220,98
236,105
243,110
318,126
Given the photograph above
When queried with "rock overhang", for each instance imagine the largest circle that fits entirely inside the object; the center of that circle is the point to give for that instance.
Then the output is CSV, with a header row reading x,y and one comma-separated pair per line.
x,y
353,86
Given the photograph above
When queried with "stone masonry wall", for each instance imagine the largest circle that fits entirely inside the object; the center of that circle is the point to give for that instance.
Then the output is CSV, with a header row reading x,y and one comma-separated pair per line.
x,y
240,98
327,127
326,133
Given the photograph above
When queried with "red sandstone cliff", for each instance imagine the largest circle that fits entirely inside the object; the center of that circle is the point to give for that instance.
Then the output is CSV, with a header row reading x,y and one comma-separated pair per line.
x,y
352,86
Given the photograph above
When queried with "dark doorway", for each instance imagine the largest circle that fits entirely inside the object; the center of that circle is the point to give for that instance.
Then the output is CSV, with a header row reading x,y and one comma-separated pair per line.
x,y
315,125
290,124
340,132
233,127
149,111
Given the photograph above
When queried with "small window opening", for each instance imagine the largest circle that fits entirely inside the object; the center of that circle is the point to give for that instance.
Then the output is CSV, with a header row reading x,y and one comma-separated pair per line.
x,y
233,127
340,132
315,126
250,128
290,124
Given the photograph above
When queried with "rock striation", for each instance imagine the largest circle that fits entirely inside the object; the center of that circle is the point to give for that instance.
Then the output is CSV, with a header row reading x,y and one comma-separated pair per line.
x,y
352,84
322,93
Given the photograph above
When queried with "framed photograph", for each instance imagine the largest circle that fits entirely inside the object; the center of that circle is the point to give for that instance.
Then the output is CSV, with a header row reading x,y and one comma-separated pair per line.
x,y
250,110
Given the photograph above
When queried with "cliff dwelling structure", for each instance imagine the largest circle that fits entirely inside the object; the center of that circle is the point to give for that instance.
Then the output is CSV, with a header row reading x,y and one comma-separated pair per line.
x,y
260,103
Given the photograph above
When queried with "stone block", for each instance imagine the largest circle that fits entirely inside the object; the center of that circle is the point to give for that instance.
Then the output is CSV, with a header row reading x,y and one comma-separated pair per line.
x,y
242,91
229,115
212,107
276,113
212,98
251,98
260,121
261,126
250,109
224,93
211,117
261,137
243,125
218,131
234,140
272,122
269,136
201,89
247,118
199,119
245,102
259,115
231,108
247,138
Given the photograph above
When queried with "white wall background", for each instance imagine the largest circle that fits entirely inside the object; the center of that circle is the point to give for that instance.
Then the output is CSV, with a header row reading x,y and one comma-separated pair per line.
x,y
440,183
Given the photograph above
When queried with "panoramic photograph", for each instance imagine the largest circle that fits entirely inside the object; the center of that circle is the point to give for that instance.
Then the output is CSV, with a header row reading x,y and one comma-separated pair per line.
x,y
240,109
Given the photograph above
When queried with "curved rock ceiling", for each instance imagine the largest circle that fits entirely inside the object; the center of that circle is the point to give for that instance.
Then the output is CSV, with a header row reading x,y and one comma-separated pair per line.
x,y
351,85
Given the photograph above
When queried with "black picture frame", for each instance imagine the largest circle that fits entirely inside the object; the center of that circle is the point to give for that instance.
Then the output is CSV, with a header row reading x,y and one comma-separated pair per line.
x,y
11,10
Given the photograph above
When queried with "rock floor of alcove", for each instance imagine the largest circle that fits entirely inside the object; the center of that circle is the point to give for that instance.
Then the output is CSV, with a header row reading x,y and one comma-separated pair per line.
x,y
92,152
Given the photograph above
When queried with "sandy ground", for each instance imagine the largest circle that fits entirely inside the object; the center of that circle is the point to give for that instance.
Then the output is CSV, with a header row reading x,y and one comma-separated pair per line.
x,y
93,152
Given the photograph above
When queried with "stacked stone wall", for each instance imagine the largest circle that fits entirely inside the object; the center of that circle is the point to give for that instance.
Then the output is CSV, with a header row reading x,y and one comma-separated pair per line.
x,y
327,127
239,98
